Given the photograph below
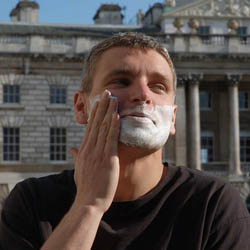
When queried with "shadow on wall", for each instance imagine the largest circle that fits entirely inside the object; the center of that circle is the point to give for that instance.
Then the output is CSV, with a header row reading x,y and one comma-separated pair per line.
x,y
4,191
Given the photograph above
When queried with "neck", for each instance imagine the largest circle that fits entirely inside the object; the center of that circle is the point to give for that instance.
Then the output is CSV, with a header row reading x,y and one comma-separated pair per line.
x,y
140,172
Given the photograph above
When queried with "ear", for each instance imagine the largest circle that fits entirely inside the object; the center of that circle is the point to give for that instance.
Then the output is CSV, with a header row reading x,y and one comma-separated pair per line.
x,y
80,108
172,128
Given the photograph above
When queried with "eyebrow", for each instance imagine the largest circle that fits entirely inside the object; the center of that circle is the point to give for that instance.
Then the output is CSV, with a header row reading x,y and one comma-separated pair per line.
x,y
133,73
117,72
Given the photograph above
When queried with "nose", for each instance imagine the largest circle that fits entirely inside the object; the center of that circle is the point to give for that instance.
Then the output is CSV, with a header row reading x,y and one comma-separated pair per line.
x,y
140,92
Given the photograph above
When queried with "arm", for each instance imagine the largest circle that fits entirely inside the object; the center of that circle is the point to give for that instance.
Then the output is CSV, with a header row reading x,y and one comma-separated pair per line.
x,y
96,179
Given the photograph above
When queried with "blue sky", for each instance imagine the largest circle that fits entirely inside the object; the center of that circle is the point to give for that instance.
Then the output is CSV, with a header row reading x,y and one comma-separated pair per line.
x,y
76,11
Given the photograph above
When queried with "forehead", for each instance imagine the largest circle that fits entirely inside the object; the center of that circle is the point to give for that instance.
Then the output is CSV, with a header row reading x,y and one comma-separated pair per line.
x,y
132,59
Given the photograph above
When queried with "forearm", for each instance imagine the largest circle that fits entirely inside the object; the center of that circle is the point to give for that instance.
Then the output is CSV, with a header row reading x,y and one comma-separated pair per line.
x,y
76,231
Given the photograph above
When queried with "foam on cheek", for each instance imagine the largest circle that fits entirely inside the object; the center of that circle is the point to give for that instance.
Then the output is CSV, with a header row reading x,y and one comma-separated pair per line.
x,y
163,114
92,102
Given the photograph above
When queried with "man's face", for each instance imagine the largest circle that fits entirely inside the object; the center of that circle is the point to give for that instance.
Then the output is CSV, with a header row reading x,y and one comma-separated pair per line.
x,y
143,83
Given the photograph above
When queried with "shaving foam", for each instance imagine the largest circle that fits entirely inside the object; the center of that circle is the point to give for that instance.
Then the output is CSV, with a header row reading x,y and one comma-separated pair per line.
x,y
150,130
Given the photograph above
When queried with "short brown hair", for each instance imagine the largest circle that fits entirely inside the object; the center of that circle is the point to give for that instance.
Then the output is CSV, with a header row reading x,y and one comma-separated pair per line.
x,y
129,39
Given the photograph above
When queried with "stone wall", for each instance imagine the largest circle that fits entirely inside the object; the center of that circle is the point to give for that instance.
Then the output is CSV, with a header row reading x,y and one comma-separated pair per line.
x,y
35,115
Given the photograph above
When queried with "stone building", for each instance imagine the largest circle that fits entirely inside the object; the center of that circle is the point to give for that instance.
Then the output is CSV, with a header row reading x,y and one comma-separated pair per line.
x,y
41,65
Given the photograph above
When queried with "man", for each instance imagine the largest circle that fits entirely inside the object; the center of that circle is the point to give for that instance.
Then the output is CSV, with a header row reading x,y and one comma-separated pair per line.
x,y
120,195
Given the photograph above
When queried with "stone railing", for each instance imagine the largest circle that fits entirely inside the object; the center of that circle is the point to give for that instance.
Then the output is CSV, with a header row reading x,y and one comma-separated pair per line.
x,y
214,43
14,40
220,169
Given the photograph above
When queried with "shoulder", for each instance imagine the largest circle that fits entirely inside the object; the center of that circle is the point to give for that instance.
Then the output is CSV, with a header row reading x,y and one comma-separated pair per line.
x,y
47,184
43,193
195,180
216,195
211,192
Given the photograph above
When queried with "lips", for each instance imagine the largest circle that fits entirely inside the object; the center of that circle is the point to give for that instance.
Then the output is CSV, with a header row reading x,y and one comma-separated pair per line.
x,y
138,116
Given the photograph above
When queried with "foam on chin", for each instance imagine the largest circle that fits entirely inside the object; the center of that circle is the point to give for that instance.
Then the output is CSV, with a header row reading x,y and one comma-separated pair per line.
x,y
147,135
140,133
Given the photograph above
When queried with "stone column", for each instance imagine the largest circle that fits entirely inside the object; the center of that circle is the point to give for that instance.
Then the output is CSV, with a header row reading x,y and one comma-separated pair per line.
x,y
234,126
194,120
180,123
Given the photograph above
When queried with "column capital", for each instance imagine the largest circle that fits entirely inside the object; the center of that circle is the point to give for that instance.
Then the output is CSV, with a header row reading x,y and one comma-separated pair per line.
x,y
233,79
195,78
182,79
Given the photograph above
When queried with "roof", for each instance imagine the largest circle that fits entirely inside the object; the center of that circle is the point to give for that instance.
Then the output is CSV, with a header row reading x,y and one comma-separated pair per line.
x,y
210,8
22,29
26,3
156,5
23,4
180,3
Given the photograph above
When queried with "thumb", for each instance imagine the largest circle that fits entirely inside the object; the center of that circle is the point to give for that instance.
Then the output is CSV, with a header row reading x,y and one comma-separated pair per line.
x,y
74,152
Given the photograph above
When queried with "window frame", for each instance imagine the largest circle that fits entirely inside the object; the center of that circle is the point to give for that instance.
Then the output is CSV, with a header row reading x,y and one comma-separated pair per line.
x,y
7,94
248,100
210,99
210,135
204,32
14,144
245,135
242,32
57,95
55,144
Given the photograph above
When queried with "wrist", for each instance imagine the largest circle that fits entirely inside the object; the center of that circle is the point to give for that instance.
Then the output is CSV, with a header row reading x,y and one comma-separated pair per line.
x,y
80,206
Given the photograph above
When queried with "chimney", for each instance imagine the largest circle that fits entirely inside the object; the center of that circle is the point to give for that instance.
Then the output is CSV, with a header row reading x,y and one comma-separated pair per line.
x,y
139,17
108,14
25,11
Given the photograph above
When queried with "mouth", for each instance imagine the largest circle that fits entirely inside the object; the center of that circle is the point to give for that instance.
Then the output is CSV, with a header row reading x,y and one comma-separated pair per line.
x,y
139,116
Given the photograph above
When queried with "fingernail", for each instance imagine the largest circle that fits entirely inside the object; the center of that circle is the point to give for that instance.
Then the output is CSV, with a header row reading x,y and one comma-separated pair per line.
x,y
106,93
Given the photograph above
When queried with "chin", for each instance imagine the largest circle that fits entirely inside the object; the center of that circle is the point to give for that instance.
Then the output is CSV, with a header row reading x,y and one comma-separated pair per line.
x,y
142,143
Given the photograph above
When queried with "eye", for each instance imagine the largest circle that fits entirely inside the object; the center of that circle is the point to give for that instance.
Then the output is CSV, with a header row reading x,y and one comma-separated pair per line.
x,y
158,87
120,82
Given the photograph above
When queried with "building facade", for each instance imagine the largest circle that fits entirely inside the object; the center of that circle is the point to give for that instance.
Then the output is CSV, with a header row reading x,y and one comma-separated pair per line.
x,y
41,67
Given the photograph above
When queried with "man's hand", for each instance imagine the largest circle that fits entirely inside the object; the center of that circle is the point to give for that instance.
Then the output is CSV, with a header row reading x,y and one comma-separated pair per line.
x,y
96,177
96,161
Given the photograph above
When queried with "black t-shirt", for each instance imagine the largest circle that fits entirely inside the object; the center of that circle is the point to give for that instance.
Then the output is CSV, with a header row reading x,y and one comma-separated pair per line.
x,y
186,210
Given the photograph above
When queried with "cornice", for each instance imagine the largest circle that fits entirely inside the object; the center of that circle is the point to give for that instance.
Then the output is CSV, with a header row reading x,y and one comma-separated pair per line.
x,y
211,57
46,57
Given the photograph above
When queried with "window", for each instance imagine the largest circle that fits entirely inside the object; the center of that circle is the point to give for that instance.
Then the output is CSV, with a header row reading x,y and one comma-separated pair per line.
x,y
57,144
57,95
207,147
242,31
11,94
243,100
204,31
245,146
205,100
11,144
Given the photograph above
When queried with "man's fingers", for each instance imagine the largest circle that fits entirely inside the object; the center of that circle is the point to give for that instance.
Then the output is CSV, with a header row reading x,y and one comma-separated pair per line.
x,y
97,122
106,125
90,122
74,152
113,135
97,116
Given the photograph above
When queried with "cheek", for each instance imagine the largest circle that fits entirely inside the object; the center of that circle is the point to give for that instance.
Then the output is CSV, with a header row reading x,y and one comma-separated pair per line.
x,y
121,97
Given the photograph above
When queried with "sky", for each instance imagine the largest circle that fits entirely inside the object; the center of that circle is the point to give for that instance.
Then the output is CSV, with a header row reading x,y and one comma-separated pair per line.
x,y
77,11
